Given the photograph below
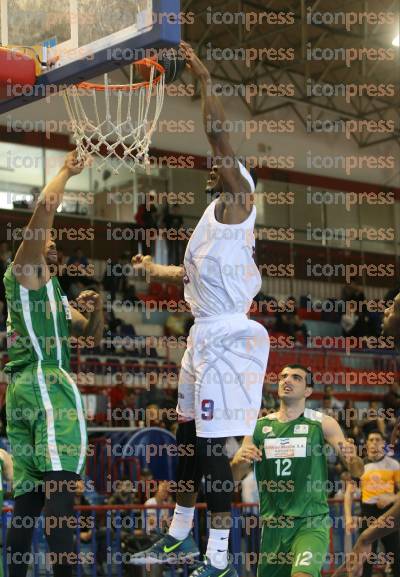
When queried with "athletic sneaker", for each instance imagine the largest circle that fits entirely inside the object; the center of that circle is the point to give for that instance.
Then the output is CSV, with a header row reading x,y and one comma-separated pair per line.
x,y
208,570
167,550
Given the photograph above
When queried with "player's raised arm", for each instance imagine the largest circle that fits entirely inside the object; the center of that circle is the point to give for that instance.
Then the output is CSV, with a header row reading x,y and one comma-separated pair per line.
x,y
30,266
215,127
145,266
345,448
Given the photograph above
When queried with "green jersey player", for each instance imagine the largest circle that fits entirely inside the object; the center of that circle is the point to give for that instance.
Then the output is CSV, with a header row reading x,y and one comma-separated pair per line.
x,y
288,449
45,419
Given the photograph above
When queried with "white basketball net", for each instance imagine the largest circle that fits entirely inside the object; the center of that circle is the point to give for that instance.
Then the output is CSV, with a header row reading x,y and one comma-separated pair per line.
x,y
130,114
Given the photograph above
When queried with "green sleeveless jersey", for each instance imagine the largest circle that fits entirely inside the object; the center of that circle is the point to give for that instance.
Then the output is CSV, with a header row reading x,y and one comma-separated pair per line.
x,y
292,475
38,324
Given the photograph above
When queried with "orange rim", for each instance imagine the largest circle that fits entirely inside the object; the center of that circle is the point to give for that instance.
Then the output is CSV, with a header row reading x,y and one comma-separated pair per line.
x,y
136,86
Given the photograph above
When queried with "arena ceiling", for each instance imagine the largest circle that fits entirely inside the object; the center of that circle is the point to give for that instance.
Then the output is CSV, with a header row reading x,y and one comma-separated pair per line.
x,y
321,85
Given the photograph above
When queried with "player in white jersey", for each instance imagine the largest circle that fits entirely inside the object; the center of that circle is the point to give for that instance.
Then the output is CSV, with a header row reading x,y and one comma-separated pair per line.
x,y
223,368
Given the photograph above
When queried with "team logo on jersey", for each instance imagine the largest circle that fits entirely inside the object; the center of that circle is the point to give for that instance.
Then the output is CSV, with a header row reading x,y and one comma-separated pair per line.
x,y
301,429
267,430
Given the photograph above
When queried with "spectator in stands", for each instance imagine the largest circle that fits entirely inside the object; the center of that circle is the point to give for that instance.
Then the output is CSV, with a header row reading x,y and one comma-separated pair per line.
x,y
356,321
126,281
124,494
289,322
111,324
129,404
379,487
128,336
347,416
372,421
111,279
157,520
170,416
76,286
391,400
119,278
86,518
357,435
188,324
336,404
335,471
86,524
78,259
153,419
81,276
60,257
327,407
391,321
5,254
175,325
265,303
349,320
269,402
352,291
146,481
172,220
5,257
391,295
146,218
125,519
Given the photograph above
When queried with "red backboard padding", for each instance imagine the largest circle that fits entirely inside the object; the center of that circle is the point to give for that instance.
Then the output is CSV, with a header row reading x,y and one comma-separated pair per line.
x,y
16,68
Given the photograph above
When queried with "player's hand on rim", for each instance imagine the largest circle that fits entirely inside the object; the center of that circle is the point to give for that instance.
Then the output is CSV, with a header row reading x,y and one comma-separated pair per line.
x,y
194,64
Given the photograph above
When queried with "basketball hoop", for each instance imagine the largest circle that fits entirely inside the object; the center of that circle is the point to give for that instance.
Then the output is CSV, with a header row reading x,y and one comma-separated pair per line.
x,y
131,115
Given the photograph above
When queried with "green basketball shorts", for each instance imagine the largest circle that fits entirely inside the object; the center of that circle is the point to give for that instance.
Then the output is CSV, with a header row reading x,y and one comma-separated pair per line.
x,y
46,425
300,546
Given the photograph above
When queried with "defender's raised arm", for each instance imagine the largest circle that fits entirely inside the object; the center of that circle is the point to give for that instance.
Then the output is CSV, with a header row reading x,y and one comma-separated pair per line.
x,y
30,267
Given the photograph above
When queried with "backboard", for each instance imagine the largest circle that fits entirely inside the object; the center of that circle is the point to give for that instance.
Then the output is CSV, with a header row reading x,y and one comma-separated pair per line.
x,y
85,38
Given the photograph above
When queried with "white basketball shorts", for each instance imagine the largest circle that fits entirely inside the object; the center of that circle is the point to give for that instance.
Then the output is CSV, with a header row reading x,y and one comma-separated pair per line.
x,y
222,375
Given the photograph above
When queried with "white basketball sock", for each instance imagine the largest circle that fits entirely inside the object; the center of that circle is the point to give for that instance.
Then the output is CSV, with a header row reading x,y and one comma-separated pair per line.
x,y
217,548
182,521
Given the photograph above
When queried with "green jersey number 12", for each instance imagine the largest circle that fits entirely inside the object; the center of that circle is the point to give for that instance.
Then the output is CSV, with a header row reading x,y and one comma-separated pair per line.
x,y
283,467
